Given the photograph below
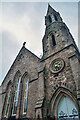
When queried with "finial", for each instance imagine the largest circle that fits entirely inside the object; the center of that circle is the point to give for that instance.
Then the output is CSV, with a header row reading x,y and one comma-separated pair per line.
x,y
48,4
24,44
50,9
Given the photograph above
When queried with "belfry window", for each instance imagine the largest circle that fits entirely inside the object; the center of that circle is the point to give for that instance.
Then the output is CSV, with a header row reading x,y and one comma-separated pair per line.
x,y
50,19
25,96
55,17
7,103
16,96
53,40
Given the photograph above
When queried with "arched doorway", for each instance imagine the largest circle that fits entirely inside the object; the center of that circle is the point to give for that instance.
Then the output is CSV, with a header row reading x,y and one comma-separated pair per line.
x,y
67,109
63,105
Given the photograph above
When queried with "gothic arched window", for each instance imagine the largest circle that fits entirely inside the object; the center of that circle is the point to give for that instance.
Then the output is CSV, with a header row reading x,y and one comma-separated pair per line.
x,y
25,96
7,103
53,40
50,19
16,96
7,99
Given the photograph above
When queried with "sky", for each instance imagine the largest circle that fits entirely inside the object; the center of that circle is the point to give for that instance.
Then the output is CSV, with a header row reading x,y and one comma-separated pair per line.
x,y
25,21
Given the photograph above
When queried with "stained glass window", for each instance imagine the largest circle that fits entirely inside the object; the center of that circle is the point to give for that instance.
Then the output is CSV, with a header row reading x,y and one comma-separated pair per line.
x,y
16,96
25,96
7,103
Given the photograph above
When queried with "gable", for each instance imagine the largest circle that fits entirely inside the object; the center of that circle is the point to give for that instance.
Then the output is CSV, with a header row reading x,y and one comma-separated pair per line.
x,y
25,61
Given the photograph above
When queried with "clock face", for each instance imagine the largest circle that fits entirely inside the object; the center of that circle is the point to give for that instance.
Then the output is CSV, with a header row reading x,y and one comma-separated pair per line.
x,y
57,65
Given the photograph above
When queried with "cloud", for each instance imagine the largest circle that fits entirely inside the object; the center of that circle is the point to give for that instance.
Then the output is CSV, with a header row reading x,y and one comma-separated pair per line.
x,y
40,1
22,23
19,25
10,48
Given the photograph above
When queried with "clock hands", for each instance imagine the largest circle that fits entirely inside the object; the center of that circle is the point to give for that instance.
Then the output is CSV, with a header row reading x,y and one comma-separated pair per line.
x,y
57,65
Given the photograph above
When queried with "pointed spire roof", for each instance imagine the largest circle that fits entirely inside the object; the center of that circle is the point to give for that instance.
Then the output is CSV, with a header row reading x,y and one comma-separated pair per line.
x,y
50,9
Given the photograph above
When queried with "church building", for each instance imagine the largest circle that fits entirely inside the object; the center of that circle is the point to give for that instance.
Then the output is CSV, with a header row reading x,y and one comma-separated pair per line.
x,y
48,87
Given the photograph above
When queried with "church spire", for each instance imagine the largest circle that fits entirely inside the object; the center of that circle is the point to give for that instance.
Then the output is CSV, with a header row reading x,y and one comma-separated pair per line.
x,y
52,16
57,35
50,9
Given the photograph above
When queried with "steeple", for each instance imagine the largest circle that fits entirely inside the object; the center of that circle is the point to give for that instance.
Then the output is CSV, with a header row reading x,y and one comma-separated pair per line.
x,y
57,35
52,16
50,9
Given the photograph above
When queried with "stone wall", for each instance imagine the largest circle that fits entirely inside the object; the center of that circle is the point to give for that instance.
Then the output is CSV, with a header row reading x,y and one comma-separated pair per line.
x,y
25,62
0,101
64,78
62,37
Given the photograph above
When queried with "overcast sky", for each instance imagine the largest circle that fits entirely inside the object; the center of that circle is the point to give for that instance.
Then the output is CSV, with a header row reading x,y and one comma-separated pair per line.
x,y
24,21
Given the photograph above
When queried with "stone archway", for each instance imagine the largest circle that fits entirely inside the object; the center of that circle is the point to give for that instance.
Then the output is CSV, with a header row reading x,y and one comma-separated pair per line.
x,y
57,100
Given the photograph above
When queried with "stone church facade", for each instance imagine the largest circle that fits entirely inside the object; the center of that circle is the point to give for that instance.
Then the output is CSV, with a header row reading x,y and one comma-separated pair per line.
x,y
49,87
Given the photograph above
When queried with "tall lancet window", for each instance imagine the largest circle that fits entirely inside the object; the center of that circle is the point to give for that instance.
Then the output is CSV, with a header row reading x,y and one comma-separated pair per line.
x,y
25,96
16,96
50,19
7,102
53,40
55,17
